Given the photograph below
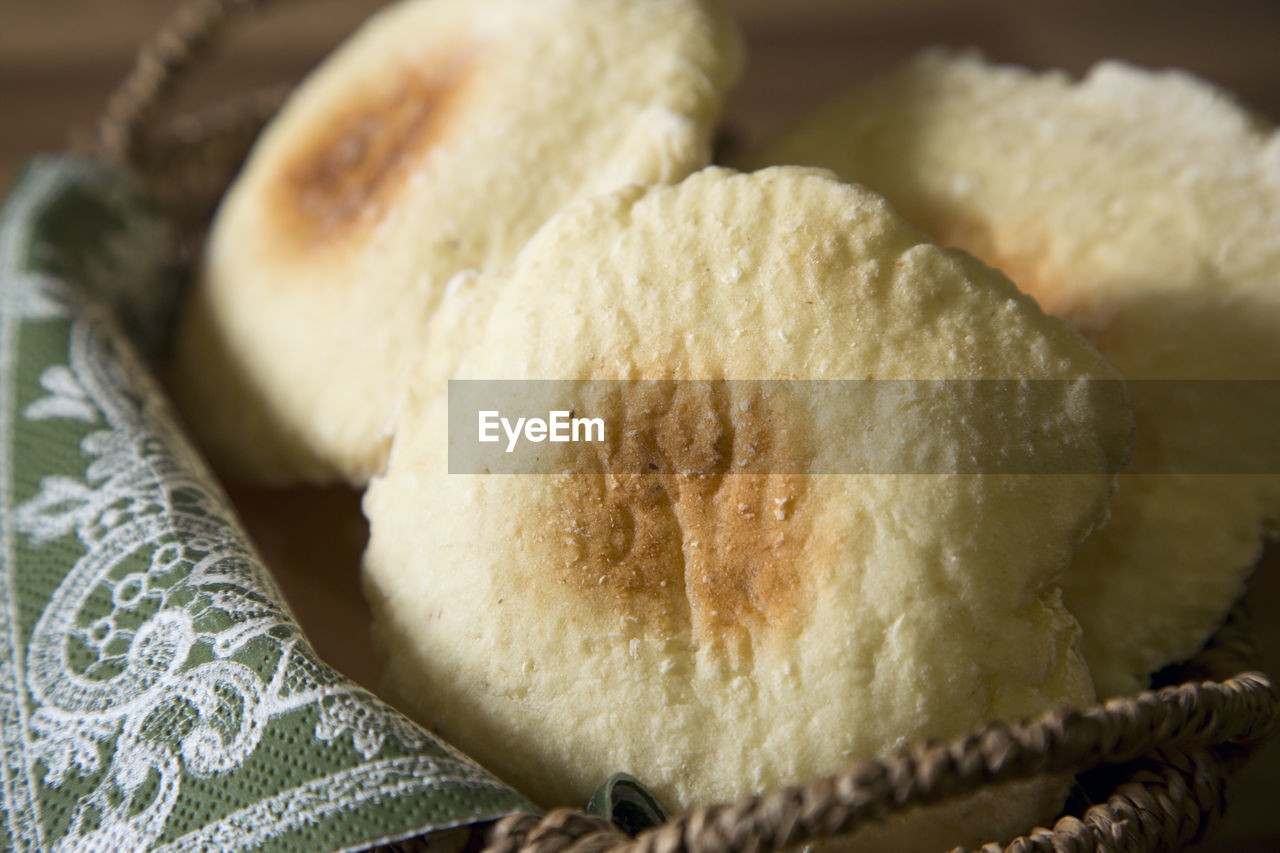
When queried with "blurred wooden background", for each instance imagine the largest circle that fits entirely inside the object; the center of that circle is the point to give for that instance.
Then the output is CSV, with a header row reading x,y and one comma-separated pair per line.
x,y
60,58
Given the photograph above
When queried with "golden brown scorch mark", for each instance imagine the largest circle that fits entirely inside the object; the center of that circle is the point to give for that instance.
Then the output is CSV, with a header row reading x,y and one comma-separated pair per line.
x,y
692,545
1033,274
356,157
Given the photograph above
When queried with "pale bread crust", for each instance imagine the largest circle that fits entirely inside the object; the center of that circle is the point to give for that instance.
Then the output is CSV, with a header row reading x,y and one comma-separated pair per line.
x,y
437,139
726,648
1144,207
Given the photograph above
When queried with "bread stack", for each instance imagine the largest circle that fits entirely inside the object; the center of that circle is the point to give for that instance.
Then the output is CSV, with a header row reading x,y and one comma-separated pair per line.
x,y
521,191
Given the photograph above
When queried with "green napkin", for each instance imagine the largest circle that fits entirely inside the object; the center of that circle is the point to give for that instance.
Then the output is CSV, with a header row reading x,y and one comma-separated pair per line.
x,y
155,691
627,803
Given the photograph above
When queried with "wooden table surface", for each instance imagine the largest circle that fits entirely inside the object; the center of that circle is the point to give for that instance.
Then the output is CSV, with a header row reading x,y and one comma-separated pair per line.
x,y
59,59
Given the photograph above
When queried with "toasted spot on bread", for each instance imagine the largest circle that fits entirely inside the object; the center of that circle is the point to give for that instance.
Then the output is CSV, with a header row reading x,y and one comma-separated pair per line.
x,y
339,179
696,546
1029,270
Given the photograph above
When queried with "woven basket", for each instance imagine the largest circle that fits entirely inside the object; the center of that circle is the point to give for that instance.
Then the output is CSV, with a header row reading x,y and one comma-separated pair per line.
x,y
1150,769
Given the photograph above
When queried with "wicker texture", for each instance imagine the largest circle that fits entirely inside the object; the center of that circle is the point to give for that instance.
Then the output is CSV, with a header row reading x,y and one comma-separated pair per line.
x,y
158,66
1181,743
1165,755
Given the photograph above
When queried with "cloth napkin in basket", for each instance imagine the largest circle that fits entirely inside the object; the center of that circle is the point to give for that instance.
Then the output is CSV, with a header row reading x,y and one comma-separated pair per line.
x,y
155,691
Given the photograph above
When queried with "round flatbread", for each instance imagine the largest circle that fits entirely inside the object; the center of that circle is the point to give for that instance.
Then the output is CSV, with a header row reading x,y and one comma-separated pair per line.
x,y
1145,208
713,632
437,139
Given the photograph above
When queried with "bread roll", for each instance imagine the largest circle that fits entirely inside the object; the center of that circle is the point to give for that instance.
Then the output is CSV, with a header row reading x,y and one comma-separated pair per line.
x,y
1144,207
717,633
437,139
